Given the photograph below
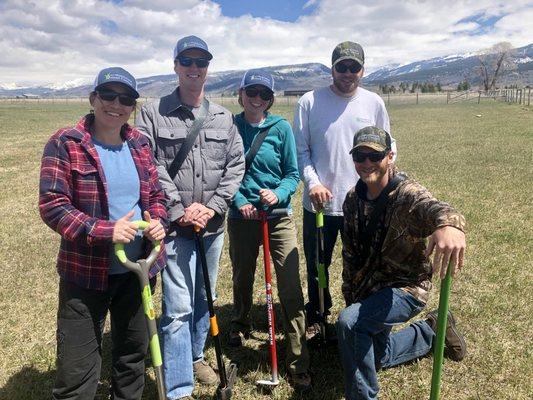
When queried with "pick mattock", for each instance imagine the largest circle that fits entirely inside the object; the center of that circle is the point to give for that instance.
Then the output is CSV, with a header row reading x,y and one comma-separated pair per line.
x,y
442,320
141,269
227,377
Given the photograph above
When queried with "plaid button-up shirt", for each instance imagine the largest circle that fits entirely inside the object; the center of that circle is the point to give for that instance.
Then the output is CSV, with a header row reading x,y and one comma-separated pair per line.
x,y
73,201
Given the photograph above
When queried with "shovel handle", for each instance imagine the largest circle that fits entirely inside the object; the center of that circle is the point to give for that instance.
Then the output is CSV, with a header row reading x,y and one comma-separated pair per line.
x,y
442,318
119,247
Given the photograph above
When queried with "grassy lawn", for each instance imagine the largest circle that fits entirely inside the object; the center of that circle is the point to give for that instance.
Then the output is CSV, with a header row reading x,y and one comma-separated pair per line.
x,y
477,157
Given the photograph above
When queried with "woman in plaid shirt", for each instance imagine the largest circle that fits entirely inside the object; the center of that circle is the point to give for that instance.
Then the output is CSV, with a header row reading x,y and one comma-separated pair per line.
x,y
96,178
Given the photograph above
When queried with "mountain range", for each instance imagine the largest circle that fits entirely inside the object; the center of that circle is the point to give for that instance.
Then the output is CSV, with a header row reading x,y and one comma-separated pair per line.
x,y
448,71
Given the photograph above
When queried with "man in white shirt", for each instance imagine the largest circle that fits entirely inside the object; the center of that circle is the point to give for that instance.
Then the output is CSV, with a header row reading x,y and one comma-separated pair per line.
x,y
325,120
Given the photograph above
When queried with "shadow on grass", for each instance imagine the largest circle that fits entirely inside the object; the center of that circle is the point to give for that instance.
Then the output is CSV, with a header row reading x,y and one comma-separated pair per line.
x,y
31,384
253,358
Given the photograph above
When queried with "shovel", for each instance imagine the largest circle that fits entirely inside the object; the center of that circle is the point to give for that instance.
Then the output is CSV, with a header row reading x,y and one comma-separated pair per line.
x,y
227,377
442,320
263,218
141,268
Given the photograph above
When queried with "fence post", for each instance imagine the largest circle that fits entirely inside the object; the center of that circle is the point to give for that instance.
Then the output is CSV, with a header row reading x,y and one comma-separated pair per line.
x,y
479,97
416,97
529,97
447,97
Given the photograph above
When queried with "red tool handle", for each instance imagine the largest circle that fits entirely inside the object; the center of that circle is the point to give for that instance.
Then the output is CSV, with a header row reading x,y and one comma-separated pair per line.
x,y
270,303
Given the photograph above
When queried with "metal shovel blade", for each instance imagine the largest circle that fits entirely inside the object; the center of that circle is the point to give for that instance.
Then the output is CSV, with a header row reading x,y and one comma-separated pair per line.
x,y
225,393
268,383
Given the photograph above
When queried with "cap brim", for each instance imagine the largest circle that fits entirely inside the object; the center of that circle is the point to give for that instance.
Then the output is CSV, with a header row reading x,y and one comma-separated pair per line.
x,y
360,62
209,55
256,84
373,146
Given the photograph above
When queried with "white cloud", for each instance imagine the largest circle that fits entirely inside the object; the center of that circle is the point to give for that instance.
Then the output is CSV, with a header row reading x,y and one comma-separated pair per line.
x,y
60,41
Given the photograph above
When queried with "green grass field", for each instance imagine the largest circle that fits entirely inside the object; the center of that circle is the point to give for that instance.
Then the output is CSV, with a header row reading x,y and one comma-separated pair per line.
x,y
477,157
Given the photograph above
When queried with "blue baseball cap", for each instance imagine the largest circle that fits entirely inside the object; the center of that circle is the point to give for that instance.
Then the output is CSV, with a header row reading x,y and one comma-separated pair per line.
x,y
191,42
116,75
257,77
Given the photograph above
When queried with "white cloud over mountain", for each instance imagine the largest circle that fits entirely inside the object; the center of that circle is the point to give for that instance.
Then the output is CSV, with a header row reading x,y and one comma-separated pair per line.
x,y
45,41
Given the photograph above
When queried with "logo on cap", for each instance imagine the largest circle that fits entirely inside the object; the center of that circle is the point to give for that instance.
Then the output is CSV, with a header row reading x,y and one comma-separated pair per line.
x,y
260,78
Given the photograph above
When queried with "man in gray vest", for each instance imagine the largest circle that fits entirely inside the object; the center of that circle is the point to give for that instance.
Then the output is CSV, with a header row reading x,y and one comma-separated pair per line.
x,y
200,164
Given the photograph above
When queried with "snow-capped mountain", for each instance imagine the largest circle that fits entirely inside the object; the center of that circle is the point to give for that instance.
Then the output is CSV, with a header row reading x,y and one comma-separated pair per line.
x,y
452,69
299,76
448,71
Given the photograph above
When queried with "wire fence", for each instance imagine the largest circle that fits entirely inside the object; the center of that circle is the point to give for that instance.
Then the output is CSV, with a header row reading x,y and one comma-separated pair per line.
x,y
520,96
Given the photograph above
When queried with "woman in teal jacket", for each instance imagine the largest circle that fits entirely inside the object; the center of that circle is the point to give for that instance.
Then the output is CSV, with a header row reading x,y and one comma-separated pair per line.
x,y
268,183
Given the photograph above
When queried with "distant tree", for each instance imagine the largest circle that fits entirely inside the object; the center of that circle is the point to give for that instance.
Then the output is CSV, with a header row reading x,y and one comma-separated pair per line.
x,y
493,62
404,87
438,87
463,86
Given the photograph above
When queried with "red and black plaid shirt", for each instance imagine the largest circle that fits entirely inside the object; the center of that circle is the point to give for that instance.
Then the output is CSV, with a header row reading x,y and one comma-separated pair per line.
x,y
73,201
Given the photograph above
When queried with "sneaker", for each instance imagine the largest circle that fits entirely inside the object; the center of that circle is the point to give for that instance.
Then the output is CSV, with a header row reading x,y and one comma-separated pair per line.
x,y
237,338
300,382
204,373
455,344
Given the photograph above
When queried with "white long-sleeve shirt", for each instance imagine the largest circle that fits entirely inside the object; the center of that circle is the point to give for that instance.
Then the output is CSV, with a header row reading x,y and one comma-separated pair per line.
x,y
324,126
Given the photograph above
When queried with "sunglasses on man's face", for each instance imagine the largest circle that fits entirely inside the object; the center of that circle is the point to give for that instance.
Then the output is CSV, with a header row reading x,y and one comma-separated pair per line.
x,y
265,94
188,61
109,95
353,68
374,156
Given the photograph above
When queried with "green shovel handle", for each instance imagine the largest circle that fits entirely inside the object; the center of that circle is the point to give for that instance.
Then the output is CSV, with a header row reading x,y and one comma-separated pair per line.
x,y
119,247
438,355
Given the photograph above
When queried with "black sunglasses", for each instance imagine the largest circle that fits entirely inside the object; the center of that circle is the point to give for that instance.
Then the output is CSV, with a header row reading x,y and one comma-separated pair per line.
x,y
374,156
265,94
109,95
353,68
188,61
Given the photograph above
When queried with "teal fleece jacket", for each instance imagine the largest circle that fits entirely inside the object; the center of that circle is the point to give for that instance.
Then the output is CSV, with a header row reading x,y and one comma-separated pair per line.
x,y
274,166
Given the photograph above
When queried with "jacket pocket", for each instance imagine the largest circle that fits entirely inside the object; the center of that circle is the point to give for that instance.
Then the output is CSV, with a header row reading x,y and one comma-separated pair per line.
x,y
215,144
168,143
85,180
84,169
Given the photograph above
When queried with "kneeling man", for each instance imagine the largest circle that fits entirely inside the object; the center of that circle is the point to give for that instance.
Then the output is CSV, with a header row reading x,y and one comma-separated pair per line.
x,y
386,269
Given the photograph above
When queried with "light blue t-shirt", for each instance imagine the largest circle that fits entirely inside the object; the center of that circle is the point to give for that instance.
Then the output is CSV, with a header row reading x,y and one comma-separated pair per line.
x,y
123,191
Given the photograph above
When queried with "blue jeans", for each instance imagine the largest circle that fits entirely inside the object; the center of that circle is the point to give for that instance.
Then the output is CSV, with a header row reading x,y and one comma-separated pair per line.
x,y
333,225
366,343
185,317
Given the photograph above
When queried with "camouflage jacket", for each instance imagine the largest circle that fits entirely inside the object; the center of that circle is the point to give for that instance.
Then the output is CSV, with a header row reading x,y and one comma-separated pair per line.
x,y
411,214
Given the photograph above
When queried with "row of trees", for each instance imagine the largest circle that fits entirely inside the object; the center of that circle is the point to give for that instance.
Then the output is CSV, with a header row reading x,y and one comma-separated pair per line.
x,y
425,87
403,87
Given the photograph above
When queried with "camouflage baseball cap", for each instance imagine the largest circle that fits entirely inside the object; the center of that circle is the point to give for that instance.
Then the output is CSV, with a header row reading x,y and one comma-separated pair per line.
x,y
348,51
373,137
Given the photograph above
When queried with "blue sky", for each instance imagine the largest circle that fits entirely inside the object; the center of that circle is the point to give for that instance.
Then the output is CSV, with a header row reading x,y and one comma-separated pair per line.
x,y
58,42
281,10
485,22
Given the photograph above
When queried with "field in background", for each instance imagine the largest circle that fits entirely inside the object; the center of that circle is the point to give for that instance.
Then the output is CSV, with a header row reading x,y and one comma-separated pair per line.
x,y
477,157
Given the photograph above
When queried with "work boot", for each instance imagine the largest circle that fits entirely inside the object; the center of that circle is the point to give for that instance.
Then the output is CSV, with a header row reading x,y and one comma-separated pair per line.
x,y
300,382
204,373
455,344
312,331
314,336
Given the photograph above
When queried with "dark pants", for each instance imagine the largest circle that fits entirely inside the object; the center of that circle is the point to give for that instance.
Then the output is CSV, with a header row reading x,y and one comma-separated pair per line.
x,y
80,320
333,225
